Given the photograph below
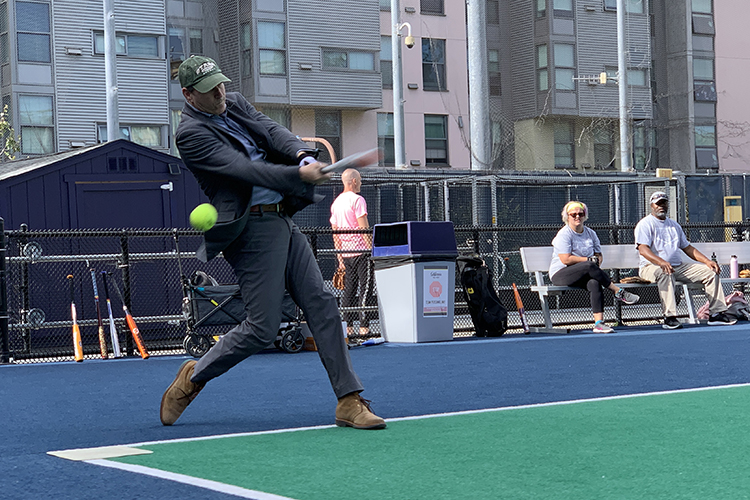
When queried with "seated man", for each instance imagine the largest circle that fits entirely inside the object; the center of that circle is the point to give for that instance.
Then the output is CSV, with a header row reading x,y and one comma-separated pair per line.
x,y
659,241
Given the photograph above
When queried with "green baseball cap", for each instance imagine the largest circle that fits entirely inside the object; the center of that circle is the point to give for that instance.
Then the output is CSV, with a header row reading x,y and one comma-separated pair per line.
x,y
202,73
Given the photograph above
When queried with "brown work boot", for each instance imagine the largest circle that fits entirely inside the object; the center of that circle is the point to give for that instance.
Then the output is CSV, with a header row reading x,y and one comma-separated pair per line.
x,y
354,411
180,394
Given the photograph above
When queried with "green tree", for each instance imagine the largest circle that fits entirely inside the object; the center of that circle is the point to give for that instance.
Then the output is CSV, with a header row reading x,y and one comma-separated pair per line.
x,y
9,144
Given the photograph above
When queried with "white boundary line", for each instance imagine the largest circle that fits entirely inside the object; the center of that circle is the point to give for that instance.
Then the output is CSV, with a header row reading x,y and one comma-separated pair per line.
x,y
190,480
259,495
447,414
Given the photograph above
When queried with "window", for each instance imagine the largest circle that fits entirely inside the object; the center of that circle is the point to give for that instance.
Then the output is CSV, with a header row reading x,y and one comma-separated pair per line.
x,y
705,147
493,70
702,6
272,48
645,154
99,43
176,50
385,4
604,148
706,158
704,91
143,46
705,110
354,60
493,12
542,77
386,62
564,66
131,45
436,139
328,126
705,135
246,50
431,6
4,43
637,77
145,135
37,124
196,40
175,117
433,64
703,24
385,139
541,8
703,69
631,6
703,42
33,32
564,157
562,8
281,116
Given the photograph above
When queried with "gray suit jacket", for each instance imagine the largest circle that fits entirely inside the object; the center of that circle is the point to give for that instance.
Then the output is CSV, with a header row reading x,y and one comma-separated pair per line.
x,y
227,175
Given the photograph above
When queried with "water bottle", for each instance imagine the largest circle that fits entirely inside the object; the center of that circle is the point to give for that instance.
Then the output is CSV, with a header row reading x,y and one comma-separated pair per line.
x,y
734,268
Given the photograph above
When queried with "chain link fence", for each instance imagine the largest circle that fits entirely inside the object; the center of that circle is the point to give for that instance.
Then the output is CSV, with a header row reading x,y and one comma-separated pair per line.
x,y
493,216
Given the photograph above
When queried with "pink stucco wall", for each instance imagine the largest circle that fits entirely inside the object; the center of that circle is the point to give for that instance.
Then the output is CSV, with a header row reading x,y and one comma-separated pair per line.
x,y
732,84
455,102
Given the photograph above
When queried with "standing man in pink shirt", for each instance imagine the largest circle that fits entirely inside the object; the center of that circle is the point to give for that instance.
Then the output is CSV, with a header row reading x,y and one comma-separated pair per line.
x,y
349,211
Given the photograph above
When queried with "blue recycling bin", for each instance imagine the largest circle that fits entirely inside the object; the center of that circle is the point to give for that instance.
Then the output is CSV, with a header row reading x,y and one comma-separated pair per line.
x,y
415,275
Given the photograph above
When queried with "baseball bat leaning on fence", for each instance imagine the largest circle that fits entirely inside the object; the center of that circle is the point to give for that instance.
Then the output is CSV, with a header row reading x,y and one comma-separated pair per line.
x,y
112,328
77,344
521,310
102,338
131,323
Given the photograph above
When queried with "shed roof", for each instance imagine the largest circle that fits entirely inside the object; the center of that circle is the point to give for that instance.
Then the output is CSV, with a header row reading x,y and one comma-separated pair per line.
x,y
19,167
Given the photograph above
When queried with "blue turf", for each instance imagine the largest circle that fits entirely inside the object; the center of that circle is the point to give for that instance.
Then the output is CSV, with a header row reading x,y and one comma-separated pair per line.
x,y
68,405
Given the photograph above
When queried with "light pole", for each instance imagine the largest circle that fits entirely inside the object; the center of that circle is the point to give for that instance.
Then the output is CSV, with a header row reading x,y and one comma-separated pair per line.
x,y
110,71
399,140
622,81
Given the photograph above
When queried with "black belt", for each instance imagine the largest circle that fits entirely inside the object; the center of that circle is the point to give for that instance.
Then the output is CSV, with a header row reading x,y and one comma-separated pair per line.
x,y
274,207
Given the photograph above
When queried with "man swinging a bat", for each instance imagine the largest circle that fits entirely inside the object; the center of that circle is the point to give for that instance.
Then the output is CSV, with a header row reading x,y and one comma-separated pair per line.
x,y
257,174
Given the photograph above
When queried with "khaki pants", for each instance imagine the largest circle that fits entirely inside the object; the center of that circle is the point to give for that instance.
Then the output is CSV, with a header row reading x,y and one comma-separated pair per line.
x,y
685,273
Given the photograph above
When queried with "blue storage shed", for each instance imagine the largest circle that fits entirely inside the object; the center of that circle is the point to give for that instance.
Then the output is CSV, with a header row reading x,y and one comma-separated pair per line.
x,y
117,184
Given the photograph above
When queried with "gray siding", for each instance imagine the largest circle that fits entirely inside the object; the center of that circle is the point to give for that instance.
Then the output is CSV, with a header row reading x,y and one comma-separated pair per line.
x,y
340,24
80,80
595,51
520,25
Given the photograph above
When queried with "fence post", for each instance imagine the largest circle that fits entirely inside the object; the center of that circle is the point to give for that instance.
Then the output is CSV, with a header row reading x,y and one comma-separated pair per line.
x,y
4,332
4,349
125,266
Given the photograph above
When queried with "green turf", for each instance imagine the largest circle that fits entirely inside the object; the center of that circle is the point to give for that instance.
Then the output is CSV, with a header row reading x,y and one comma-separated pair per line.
x,y
673,446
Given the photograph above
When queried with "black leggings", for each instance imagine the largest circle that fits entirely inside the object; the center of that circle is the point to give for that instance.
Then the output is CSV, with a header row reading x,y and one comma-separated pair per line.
x,y
588,276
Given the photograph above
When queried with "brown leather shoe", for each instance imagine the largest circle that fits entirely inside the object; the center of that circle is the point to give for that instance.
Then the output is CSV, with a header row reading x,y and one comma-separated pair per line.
x,y
179,394
354,411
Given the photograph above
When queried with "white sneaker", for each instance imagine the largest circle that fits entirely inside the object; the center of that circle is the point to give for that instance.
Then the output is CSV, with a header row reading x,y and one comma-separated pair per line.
x,y
601,327
627,297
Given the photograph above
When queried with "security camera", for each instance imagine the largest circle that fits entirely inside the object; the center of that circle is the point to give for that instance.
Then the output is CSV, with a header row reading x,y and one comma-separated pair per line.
x,y
409,41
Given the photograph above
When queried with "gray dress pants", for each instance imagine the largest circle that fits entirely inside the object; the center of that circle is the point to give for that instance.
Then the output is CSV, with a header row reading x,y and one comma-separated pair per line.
x,y
272,253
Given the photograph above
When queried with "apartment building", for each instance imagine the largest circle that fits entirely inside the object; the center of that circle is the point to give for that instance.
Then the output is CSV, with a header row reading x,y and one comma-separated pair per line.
x,y
549,110
52,73
311,65
435,85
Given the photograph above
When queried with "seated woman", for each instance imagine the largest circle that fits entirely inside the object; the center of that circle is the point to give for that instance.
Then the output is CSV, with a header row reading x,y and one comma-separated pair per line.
x,y
575,262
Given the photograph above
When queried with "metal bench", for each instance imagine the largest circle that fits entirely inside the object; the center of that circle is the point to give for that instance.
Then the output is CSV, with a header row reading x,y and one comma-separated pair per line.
x,y
536,261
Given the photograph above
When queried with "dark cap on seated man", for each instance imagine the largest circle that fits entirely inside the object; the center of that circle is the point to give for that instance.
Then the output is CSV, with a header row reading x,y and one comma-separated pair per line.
x,y
201,73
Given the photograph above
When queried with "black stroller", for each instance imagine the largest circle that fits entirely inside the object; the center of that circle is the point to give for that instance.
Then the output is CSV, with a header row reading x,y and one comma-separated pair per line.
x,y
207,303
